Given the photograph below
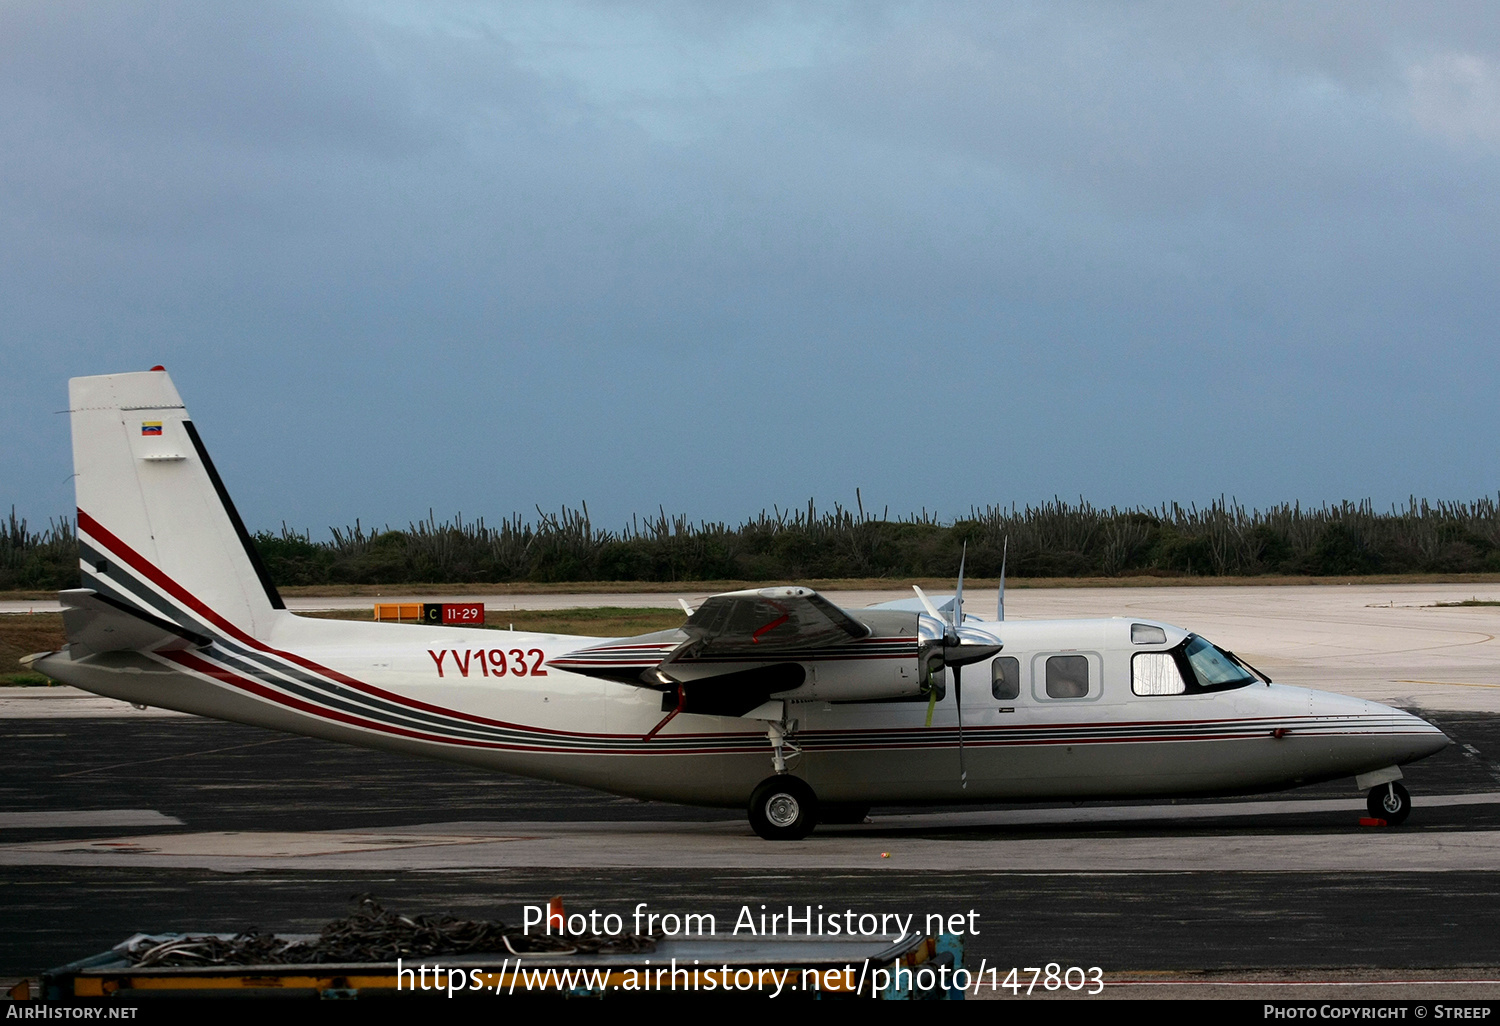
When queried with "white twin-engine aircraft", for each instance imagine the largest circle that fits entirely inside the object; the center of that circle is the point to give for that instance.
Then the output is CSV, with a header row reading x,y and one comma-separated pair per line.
x,y
773,699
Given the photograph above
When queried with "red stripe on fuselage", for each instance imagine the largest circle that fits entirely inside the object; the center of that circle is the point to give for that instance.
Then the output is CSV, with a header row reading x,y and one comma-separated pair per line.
x,y
145,567
224,676
232,679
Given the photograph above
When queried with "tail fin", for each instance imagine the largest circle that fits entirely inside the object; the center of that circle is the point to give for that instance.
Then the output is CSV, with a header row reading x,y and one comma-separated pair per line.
x,y
156,529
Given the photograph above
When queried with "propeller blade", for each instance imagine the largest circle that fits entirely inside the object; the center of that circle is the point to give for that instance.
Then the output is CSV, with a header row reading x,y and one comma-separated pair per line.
x,y
958,698
1000,602
958,596
931,609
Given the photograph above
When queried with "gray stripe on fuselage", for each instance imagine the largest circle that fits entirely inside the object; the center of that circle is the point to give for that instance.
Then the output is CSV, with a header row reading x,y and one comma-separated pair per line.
x,y
338,696
139,590
329,693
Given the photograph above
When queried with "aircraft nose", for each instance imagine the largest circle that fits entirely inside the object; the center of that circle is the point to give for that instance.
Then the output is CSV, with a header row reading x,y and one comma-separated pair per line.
x,y
1406,736
1390,736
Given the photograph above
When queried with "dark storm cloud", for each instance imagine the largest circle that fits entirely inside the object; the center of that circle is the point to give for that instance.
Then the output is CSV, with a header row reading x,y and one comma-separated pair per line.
x,y
275,75
478,258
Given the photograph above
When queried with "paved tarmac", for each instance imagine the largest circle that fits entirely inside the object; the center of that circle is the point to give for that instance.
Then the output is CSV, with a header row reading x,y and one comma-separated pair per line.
x,y
124,824
118,820
895,845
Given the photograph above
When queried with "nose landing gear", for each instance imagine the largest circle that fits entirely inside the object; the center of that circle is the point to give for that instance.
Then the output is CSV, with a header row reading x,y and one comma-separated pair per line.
x,y
1389,802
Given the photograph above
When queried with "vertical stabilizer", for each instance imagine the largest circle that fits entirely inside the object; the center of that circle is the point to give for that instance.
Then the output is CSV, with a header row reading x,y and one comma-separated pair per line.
x,y
156,529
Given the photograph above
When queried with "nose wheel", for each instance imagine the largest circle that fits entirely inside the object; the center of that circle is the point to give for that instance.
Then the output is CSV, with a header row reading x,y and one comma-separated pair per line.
x,y
1389,802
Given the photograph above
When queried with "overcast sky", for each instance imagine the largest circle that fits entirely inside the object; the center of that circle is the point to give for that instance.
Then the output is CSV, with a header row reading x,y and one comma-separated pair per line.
x,y
483,257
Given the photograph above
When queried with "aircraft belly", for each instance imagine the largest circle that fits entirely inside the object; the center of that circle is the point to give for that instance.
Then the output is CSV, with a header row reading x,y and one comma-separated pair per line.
x,y
711,770
1041,771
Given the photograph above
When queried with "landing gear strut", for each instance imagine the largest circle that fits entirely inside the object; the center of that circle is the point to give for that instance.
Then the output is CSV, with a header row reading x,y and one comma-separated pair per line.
x,y
782,745
779,731
1389,802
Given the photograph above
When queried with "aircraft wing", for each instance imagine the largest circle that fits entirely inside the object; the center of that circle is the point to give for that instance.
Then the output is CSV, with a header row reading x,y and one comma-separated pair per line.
x,y
97,623
731,633
753,624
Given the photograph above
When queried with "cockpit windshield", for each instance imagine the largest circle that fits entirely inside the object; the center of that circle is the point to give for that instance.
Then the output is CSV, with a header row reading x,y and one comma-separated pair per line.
x,y
1213,667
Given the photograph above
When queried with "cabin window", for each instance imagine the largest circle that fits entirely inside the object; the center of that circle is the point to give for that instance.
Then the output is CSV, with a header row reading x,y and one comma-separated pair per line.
x,y
1067,676
1156,673
1147,634
1005,677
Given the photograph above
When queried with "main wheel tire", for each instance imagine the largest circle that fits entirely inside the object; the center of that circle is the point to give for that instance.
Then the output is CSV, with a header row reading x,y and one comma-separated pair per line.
x,y
783,808
1389,802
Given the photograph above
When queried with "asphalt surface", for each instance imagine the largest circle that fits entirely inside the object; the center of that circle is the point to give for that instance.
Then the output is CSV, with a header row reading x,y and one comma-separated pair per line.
x,y
196,776
115,822
225,776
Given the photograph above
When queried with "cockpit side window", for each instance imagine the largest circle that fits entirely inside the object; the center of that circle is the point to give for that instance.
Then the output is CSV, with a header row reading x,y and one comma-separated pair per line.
x,y
1193,667
1005,677
1213,668
1156,673
1147,634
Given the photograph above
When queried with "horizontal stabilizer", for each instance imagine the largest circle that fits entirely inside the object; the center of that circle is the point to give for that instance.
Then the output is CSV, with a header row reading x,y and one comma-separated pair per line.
x,y
97,623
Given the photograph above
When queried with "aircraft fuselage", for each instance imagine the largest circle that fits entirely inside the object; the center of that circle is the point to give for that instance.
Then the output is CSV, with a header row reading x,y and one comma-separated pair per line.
x,y
490,699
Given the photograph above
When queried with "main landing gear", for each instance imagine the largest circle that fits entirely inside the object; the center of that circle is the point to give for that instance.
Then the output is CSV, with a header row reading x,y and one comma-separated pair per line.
x,y
783,808
1389,802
